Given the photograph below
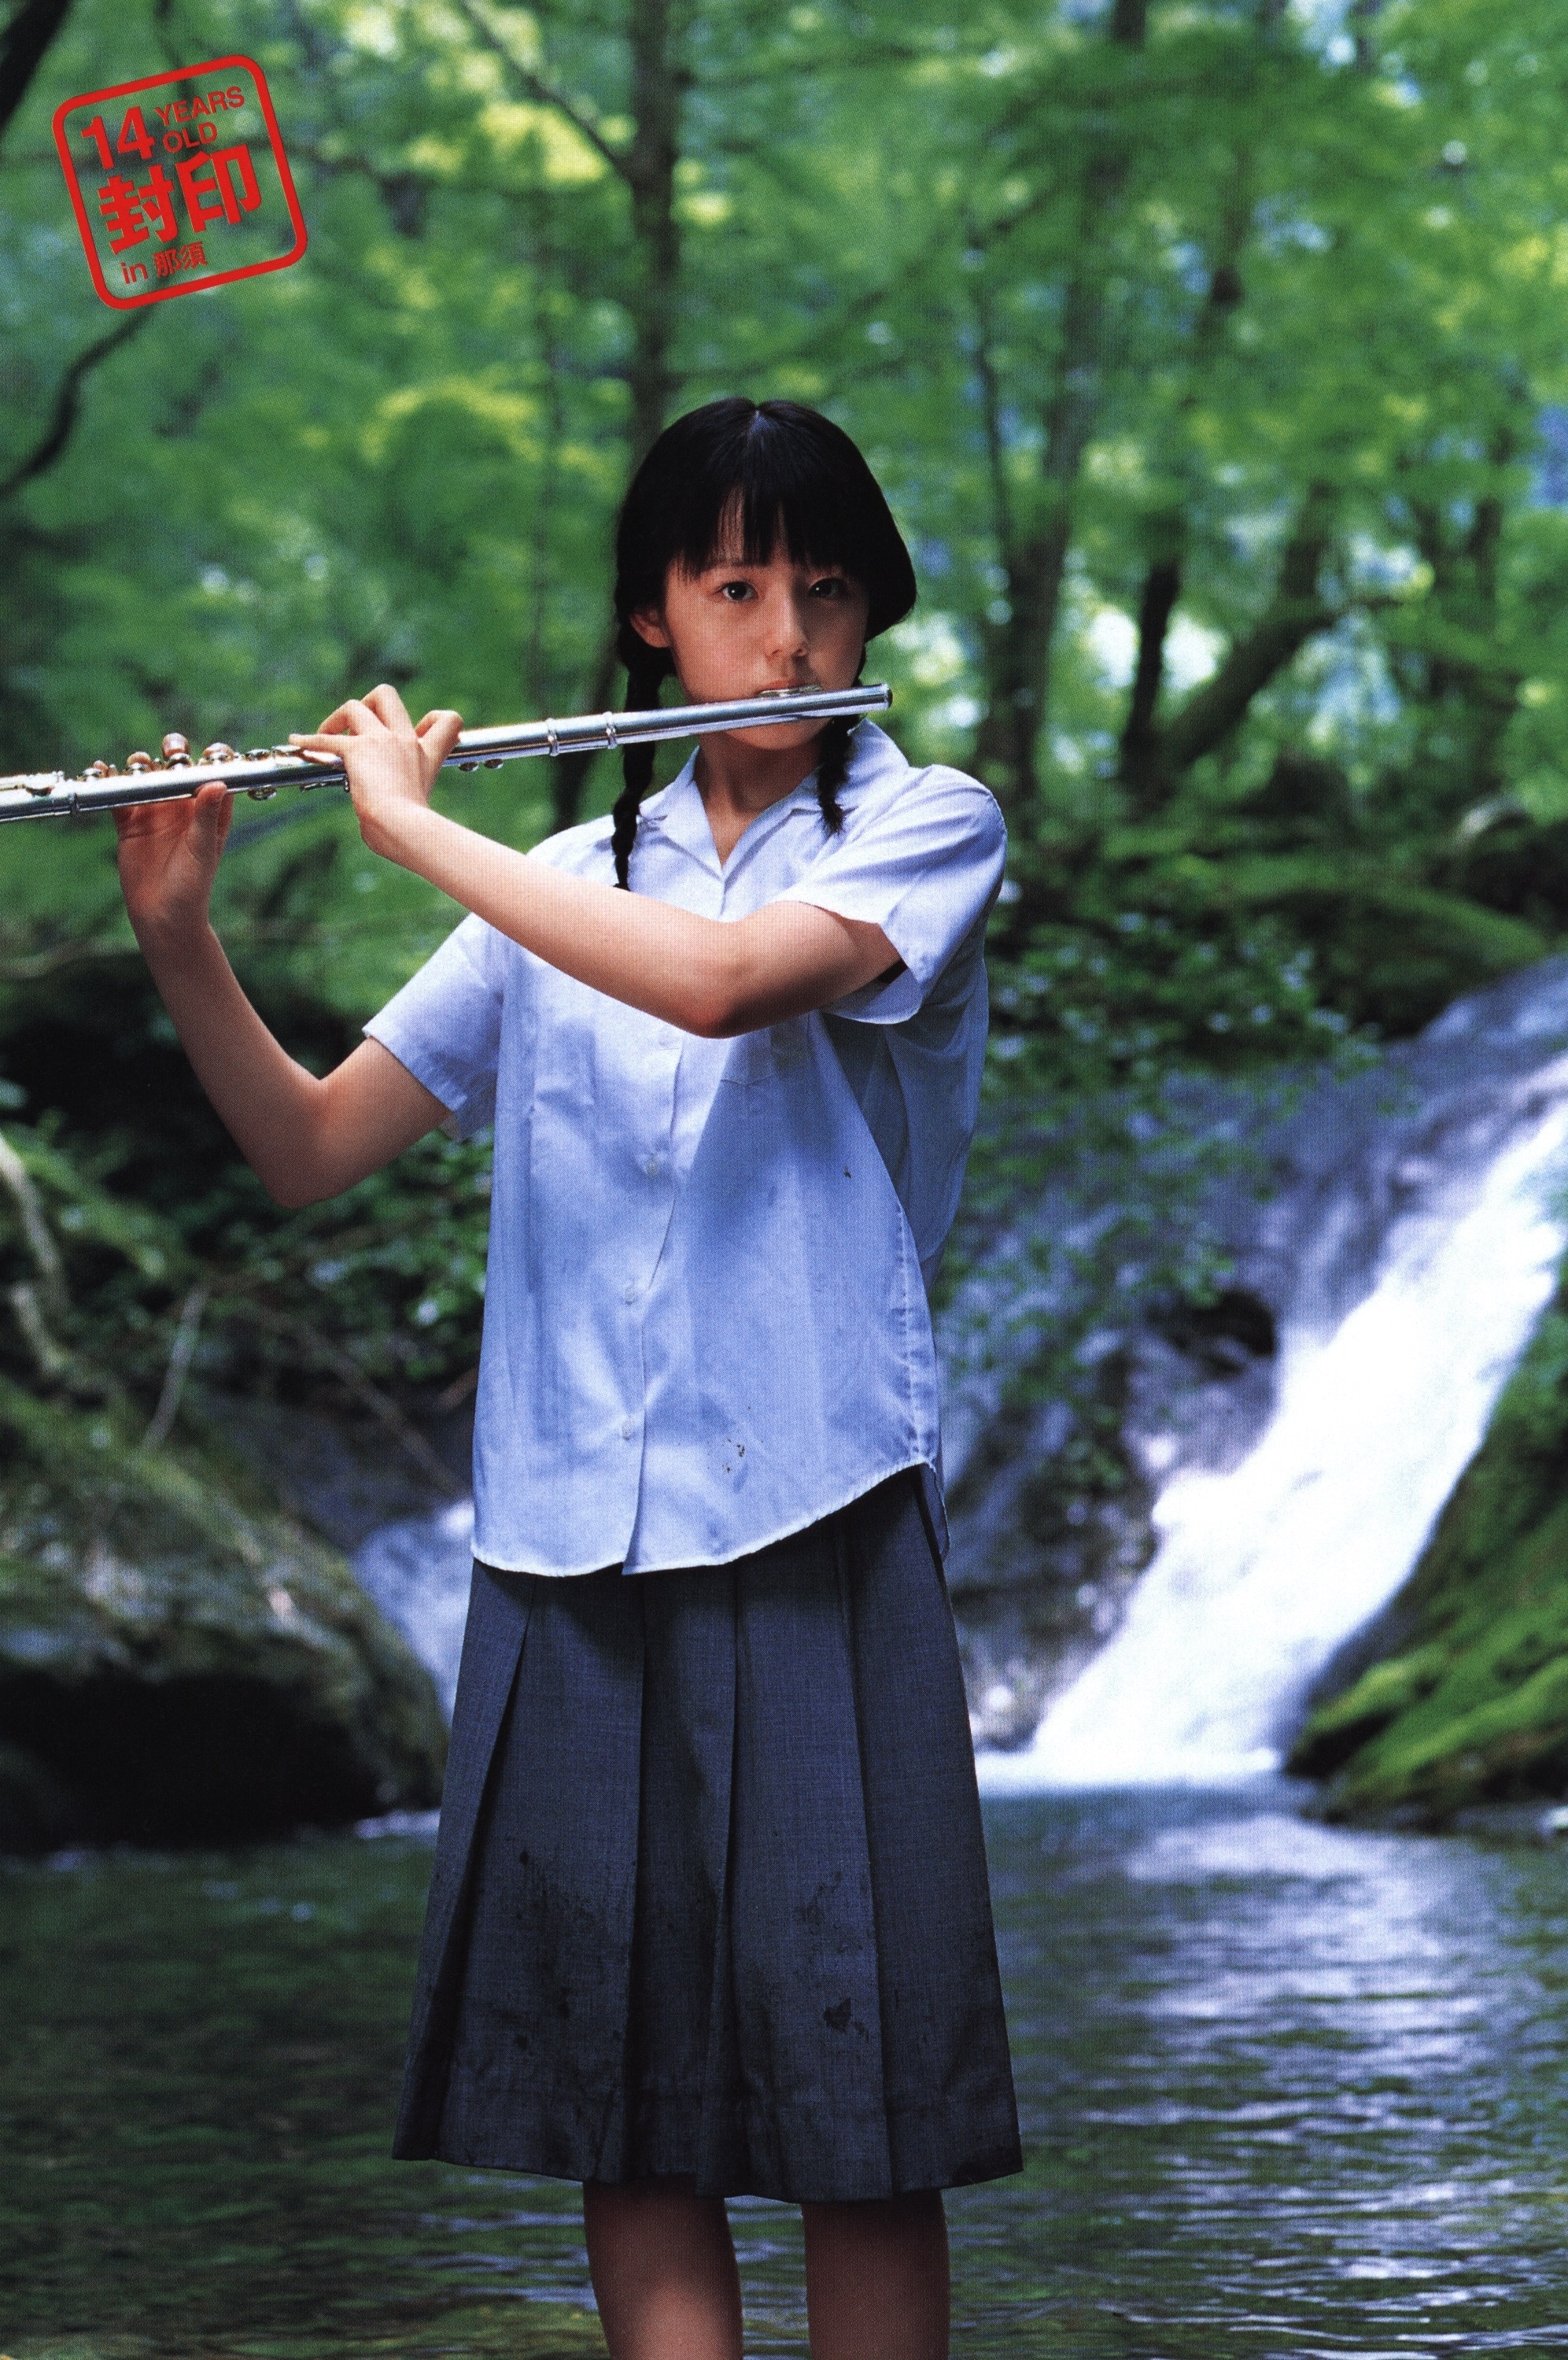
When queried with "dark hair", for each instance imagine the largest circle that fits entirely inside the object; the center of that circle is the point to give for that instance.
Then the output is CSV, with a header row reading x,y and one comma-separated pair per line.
x,y
796,478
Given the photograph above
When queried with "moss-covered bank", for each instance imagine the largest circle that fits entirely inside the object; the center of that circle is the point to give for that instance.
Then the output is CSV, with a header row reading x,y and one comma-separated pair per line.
x,y
1471,1704
178,1661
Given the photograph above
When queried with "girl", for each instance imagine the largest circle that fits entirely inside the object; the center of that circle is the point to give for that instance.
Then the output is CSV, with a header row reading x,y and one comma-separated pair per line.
x,y
709,1912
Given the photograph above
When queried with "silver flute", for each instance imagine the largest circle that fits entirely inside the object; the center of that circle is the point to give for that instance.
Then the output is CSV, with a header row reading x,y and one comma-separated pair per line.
x,y
52,794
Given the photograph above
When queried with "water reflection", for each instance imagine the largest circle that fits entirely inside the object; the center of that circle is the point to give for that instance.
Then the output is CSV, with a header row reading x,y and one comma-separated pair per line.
x,y
1287,2091
1290,2091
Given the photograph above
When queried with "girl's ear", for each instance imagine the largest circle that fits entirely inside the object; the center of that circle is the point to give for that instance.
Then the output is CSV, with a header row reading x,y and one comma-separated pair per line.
x,y
646,623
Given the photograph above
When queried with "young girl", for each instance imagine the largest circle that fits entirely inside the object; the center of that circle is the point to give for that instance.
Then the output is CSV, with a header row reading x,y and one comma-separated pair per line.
x,y
709,1912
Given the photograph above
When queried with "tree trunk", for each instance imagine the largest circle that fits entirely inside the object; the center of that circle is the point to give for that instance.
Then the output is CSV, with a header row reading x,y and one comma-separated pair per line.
x,y
648,166
1141,766
27,36
1017,651
657,89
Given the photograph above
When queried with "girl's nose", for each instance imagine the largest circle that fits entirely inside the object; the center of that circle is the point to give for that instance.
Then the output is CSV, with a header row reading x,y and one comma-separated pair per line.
x,y
785,620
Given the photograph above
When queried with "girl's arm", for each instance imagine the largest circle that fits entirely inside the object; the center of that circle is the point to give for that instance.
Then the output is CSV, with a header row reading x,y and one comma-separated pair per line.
x,y
705,974
305,1136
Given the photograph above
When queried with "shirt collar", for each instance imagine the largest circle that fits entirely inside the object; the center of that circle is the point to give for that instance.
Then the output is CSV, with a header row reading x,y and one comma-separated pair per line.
x,y
678,812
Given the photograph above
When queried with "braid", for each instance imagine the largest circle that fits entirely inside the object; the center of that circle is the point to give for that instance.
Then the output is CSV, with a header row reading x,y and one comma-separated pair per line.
x,y
646,670
833,769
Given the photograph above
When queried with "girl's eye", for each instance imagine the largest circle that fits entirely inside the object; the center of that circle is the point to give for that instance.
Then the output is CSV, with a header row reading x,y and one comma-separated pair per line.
x,y
831,585
735,591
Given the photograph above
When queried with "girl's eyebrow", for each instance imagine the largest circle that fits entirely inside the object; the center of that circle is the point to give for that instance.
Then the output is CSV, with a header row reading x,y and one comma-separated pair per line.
x,y
761,564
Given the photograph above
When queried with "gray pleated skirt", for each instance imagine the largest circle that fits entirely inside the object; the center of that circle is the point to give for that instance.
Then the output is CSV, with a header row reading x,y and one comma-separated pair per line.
x,y
710,1893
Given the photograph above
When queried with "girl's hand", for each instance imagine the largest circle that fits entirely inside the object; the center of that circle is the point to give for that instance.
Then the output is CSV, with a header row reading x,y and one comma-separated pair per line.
x,y
392,763
169,855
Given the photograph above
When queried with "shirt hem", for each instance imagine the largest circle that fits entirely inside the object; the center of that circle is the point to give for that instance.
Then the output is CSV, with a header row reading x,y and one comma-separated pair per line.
x,y
730,1556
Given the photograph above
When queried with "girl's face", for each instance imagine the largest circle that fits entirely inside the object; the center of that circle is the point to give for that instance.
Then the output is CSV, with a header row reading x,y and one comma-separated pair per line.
x,y
737,630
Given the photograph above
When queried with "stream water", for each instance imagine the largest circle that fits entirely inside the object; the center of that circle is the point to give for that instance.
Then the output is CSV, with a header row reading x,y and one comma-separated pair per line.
x,y
1285,2092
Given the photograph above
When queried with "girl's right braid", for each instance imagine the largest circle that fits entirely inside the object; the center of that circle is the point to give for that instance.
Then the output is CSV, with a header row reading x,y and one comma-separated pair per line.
x,y
645,670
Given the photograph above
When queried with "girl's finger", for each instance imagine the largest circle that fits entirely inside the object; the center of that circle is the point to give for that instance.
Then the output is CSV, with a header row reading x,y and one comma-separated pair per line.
x,y
209,804
387,705
351,716
161,819
317,741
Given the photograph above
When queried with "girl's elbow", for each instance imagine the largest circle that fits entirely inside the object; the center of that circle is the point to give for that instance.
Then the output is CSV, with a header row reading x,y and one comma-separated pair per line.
x,y
291,1191
713,1008
295,1181
711,1020
738,995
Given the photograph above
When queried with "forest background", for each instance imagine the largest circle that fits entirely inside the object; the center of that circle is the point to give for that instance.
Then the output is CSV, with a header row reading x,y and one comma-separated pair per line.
x,y
1211,353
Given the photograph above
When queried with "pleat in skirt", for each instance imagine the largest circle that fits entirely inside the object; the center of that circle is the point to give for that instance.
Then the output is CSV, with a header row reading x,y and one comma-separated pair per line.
x,y
709,1893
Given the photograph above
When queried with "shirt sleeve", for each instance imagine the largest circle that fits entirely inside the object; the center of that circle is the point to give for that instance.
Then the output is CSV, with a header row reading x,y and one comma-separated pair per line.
x,y
925,865
445,1025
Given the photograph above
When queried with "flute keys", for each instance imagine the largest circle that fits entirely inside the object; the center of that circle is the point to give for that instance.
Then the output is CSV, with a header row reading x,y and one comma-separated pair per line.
x,y
493,763
175,751
137,762
218,752
99,770
261,794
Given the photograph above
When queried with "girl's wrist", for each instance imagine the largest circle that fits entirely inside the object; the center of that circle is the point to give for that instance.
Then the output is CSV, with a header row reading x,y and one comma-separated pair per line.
x,y
404,834
171,944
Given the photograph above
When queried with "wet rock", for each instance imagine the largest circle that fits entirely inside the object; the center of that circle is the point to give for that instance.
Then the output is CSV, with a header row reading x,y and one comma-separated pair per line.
x,y
179,1662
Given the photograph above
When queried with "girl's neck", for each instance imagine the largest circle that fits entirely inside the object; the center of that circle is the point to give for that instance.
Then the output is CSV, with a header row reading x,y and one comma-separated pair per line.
x,y
738,783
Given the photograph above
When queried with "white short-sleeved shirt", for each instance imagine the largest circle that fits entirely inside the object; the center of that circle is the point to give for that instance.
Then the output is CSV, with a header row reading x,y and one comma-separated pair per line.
x,y
705,1317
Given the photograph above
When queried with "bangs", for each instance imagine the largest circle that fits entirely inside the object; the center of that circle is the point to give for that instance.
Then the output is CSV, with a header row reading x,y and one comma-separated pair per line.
x,y
781,505
743,482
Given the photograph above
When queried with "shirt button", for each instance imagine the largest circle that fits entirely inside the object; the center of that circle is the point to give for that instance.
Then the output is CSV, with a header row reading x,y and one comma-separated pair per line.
x,y
651,1167
628,1427
630,1291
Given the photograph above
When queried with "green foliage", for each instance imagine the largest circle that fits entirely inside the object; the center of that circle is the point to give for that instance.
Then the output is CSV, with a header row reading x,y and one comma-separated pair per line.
x,y
381,1286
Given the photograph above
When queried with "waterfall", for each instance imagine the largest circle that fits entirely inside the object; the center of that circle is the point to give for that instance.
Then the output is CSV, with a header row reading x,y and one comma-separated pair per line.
x,y
417,1571
1262,1573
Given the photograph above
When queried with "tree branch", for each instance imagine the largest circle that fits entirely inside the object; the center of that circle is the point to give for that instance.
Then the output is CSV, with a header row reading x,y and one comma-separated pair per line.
x,y
1295,614
542,92
16,1178
67,405
184,1351
349,1374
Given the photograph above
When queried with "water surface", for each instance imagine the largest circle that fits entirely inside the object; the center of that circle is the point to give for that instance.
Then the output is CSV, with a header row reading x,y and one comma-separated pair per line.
x,y
1285,2092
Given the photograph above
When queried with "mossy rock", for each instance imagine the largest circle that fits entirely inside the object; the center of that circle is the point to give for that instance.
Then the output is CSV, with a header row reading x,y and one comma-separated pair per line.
x,y
179,1662
1473,1705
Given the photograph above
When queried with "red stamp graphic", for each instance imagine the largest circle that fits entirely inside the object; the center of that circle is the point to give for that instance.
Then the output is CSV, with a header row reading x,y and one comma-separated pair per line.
x,y
180,182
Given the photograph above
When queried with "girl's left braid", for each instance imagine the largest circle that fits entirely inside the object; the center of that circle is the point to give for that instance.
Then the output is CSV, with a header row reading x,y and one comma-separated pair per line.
x,y
833,769
645,670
